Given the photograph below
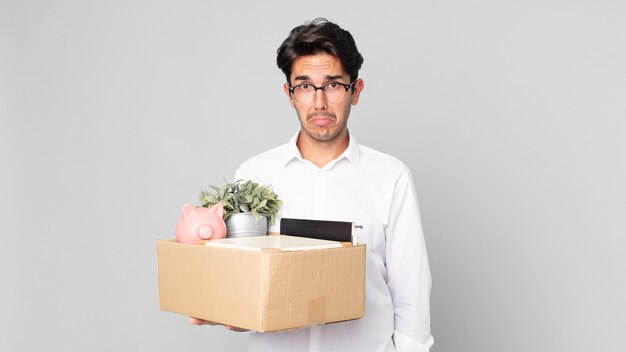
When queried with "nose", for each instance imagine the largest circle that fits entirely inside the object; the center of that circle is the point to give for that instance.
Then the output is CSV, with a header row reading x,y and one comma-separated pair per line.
x,y
319,100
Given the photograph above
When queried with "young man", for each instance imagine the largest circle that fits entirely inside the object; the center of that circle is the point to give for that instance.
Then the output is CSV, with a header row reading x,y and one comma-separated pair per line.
x,y
324,173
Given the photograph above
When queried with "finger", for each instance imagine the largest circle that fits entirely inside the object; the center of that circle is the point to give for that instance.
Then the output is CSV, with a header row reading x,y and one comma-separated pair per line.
x,y
194,321
234,328
197,321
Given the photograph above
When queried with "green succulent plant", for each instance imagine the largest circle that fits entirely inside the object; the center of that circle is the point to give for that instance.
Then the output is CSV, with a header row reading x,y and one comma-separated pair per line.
x,y
243,196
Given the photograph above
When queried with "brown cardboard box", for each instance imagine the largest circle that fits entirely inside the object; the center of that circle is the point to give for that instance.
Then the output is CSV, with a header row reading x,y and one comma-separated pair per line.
x,y
262,290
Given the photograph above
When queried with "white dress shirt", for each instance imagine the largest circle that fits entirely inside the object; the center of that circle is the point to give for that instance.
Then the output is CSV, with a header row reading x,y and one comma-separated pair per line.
x,y
375,190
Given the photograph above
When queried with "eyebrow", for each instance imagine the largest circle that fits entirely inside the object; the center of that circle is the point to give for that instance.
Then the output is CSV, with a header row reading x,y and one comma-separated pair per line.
x,y
307,78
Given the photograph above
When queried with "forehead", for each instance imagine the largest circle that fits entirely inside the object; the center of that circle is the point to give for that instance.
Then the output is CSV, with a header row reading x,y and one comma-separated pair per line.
x,y
317,66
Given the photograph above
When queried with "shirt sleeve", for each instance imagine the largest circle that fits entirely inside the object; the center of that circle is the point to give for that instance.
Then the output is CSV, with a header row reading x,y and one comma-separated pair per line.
x,y
408,271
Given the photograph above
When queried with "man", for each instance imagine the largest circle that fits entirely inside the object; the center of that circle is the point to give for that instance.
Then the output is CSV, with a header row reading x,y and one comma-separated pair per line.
x,y
324,173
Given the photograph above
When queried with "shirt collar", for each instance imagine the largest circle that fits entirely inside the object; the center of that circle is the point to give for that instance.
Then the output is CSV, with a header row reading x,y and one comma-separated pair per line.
x,y
351,153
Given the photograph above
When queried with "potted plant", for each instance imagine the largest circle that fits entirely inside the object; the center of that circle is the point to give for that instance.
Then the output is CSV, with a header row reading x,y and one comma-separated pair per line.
x,y
247,206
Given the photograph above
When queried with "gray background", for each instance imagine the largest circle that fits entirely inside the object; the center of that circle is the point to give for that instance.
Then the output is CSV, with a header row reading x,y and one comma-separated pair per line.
x,y
509,114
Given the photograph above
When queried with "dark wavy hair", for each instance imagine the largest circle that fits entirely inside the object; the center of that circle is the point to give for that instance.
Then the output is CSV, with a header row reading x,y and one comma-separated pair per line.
x,y
320,36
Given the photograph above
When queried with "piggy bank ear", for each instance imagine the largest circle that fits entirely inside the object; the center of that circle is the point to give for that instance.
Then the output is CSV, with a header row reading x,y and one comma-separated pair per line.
x,y
218,209
188,209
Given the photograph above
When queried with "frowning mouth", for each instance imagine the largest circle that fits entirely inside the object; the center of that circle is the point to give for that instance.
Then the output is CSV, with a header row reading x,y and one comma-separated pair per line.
x,y
321,120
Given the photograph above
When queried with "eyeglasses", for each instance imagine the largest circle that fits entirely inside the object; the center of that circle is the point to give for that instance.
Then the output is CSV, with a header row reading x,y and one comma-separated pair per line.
x,y
334,92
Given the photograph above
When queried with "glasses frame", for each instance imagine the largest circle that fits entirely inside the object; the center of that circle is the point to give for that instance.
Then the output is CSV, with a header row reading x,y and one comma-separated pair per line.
x,y
345,86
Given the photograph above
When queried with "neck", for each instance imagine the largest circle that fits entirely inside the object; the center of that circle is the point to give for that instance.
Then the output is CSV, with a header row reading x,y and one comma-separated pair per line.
x,y
321,153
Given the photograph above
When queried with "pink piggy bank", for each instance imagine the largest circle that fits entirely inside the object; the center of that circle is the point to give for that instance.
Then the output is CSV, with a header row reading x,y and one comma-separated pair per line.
x,y
198,224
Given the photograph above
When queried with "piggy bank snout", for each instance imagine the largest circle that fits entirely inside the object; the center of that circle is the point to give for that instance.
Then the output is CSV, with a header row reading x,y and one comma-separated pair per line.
x,y
205,232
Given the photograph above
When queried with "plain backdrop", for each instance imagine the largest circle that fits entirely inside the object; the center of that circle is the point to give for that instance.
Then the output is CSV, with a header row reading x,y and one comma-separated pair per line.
x,y
510,115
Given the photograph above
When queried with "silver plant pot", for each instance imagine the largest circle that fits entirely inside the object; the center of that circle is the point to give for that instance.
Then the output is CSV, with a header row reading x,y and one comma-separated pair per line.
x,y
244,225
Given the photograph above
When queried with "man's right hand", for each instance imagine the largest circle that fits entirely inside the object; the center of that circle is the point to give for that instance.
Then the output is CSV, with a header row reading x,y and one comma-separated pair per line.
x,y
198,321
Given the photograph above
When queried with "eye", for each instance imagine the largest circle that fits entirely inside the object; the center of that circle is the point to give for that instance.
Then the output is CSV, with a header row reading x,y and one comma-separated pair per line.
x,y
305,86
333,85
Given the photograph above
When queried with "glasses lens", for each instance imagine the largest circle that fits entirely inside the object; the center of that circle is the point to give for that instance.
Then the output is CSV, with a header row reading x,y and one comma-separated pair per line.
x,y
303,93
335,92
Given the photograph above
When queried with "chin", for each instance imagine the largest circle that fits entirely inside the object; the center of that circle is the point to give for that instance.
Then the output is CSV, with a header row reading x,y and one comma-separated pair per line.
x,y
324,137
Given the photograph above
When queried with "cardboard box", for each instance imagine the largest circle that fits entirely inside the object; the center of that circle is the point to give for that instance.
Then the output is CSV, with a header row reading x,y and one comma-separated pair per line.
x,y
262,290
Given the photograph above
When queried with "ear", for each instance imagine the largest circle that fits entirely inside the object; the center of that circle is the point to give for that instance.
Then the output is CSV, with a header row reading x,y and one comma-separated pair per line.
x,y
218,209
286,89
358,88
188,209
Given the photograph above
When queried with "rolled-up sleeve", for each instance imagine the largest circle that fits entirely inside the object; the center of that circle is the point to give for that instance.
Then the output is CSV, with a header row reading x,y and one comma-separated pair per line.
x,y
408,271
